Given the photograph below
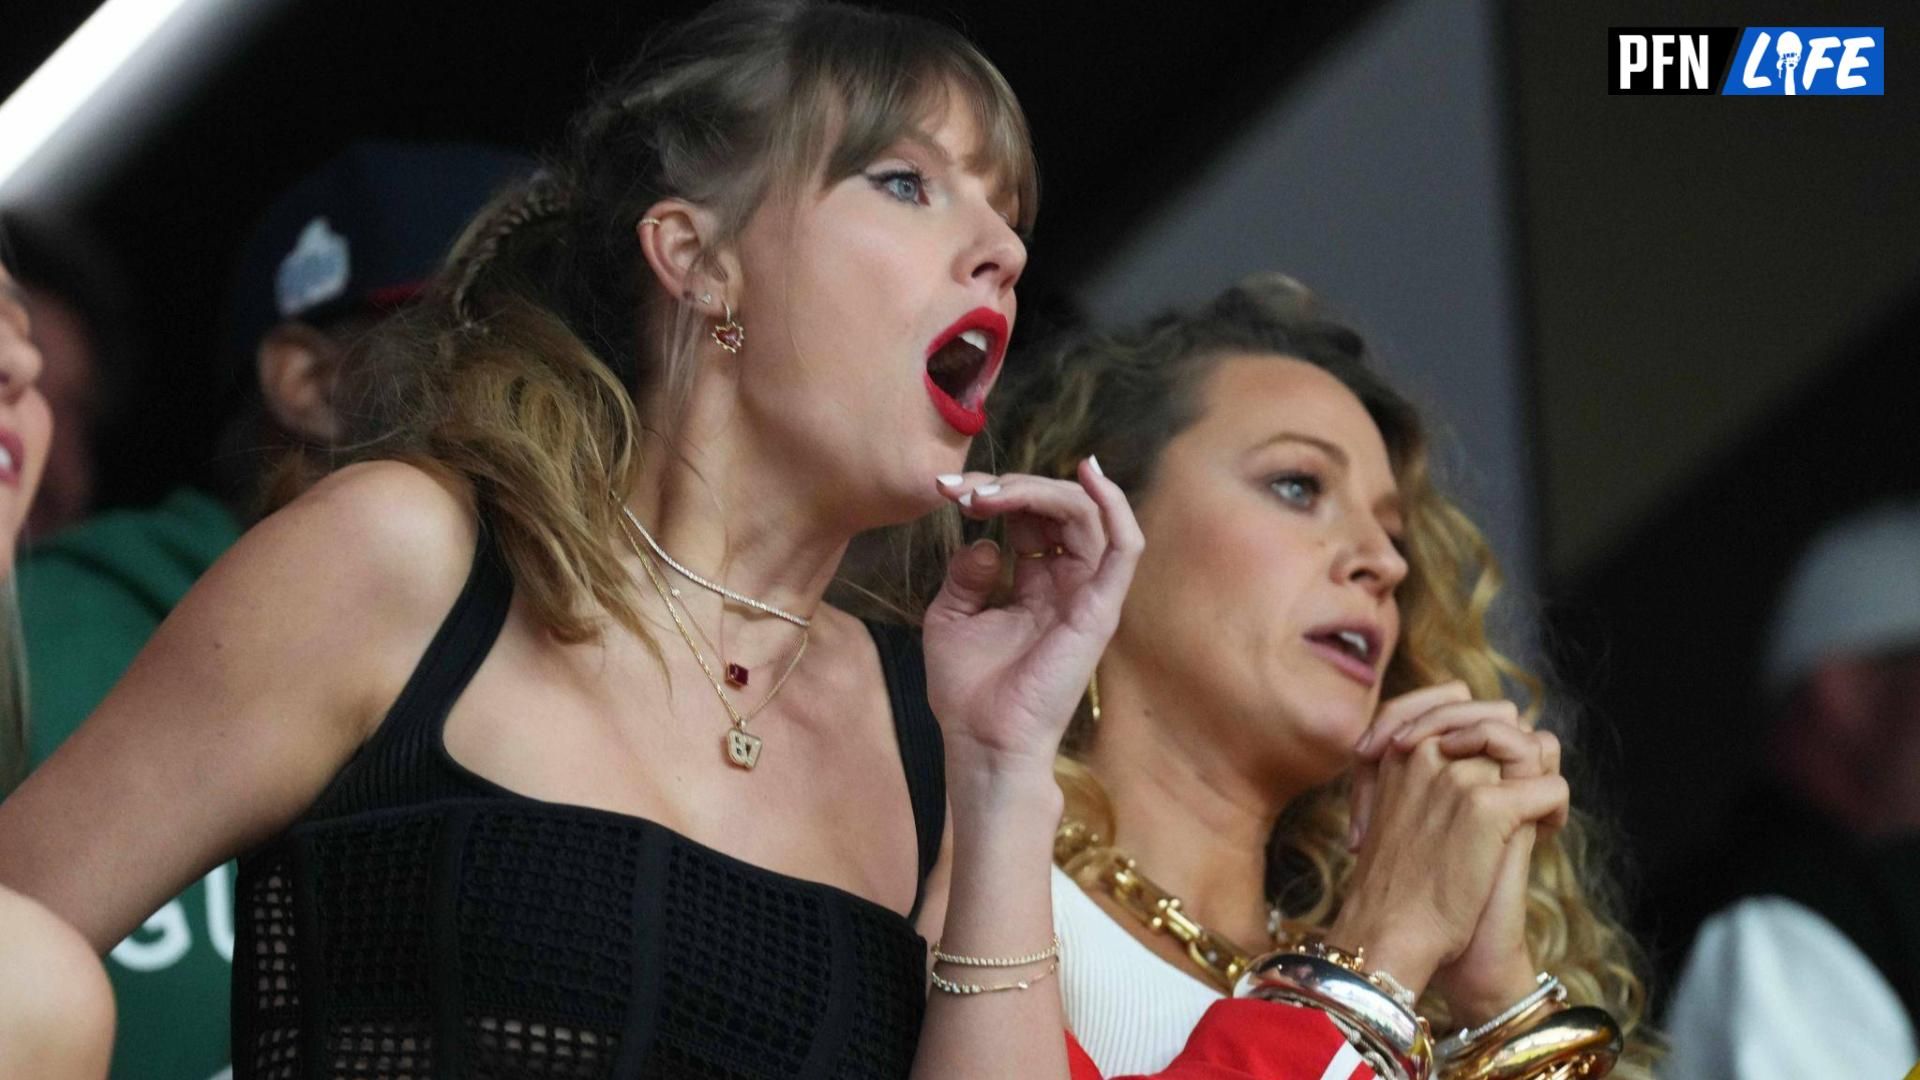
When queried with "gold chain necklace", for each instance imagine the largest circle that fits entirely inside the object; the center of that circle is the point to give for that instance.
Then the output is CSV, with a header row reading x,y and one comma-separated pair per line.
x,y
1080,852
801,621
742,748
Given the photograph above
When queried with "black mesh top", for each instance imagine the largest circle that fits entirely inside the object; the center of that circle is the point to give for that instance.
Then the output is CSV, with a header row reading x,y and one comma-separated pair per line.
x,y
419,921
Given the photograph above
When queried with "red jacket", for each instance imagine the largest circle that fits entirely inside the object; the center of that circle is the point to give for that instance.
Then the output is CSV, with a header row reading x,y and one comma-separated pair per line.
x,y
1243,1039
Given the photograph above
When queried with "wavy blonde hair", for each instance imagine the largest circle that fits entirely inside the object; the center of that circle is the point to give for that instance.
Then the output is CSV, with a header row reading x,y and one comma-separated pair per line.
x,y
1123,396
533,369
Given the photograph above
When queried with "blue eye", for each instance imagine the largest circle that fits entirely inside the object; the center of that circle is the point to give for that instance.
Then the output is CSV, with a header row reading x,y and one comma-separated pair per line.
x,y
907,185
1296,489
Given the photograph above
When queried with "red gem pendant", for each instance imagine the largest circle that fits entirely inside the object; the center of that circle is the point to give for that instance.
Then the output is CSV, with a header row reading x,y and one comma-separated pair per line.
x,y
737,676
730,336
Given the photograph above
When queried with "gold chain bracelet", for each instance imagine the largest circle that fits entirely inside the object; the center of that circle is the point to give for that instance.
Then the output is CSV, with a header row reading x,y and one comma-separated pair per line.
x,y
948,986
1047,953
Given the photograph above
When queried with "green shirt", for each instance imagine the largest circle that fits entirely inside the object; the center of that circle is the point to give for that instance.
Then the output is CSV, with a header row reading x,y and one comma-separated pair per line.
x,y
89,599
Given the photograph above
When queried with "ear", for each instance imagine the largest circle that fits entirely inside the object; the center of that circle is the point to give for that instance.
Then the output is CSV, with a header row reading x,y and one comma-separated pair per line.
x,y
299,367
676,238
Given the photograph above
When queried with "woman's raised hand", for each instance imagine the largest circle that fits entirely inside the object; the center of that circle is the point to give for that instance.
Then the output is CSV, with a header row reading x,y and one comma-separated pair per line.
x,y
1448,792
1004,680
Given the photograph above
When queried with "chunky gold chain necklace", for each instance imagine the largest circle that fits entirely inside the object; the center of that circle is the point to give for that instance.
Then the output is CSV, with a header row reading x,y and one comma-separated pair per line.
x,y
742,748
1082,853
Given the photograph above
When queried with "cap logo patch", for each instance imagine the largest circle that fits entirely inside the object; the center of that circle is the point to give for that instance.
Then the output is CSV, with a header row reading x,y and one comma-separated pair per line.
x,y
314,272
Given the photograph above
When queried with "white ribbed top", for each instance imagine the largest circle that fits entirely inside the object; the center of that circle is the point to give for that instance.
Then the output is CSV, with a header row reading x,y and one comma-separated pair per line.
x,y
1131,1010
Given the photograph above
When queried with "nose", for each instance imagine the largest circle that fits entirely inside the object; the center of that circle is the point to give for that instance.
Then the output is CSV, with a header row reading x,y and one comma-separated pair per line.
x,y
997,255
1372,560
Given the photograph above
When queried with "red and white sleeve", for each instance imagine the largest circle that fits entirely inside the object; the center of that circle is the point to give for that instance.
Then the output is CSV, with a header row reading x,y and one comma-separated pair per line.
x,y
1244,1039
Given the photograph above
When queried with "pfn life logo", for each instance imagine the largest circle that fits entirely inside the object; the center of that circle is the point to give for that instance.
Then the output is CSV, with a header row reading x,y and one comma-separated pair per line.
x,y
1798,60
1787,61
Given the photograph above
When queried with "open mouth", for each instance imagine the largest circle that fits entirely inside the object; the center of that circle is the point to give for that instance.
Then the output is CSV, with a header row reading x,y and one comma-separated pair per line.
x,y
1353,650
961,366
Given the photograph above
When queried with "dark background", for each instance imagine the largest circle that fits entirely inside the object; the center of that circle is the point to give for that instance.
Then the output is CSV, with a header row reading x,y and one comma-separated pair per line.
x,y
1720,298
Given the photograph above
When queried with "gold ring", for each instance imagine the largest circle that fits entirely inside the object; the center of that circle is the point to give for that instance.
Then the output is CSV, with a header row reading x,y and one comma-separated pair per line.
x,y
1043,553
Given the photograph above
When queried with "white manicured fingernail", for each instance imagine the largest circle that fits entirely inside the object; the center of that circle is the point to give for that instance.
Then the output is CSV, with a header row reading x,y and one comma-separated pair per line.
x,y
987,489
1095,462
950,479
967,499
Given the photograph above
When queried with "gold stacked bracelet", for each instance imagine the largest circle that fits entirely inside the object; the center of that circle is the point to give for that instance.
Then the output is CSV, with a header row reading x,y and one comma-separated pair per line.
x,y
1050,955
1539,1037
1566,1043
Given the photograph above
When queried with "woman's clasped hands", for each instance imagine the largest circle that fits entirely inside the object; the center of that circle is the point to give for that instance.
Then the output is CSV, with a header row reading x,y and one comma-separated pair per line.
x,y
1449,796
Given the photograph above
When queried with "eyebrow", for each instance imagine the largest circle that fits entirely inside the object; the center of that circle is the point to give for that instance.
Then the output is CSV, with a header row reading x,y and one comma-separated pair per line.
x,y
930,144
1002,192
1338,455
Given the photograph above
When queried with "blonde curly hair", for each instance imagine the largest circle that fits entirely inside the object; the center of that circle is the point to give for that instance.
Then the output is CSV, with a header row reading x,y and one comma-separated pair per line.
x,y
1123,396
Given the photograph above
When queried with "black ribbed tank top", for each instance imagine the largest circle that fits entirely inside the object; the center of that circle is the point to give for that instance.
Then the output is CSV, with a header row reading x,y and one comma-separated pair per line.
x,y
420,921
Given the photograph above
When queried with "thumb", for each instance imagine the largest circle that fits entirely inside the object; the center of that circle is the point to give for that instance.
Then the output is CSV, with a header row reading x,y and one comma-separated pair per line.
x,y
971,577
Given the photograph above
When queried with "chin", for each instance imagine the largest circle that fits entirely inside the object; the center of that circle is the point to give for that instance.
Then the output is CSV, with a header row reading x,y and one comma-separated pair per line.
x,y
1328,733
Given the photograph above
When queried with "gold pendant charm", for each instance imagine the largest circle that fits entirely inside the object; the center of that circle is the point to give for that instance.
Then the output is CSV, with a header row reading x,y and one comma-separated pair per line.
x,y
743,750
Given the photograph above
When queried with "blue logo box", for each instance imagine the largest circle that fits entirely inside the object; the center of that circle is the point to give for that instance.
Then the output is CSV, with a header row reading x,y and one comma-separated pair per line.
x,y
1795,61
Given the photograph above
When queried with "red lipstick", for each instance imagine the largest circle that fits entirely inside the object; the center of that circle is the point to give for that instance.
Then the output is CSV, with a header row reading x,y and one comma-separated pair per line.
x,y
959,393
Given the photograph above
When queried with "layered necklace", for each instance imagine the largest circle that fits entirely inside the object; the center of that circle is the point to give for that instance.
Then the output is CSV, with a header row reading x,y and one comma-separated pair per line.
x,y
1086,857
742,747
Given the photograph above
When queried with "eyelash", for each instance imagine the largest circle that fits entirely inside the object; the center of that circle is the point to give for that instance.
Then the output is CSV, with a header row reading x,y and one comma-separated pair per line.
x,y
1313,487
1306,480
883,182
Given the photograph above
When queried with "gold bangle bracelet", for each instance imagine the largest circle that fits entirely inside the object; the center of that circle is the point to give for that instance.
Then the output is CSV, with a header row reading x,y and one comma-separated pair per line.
x,y
1579,1042
960,989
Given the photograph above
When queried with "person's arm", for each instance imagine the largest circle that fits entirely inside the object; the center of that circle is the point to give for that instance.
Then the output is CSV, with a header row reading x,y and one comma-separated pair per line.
x,y
1772,991
1004,680
252,694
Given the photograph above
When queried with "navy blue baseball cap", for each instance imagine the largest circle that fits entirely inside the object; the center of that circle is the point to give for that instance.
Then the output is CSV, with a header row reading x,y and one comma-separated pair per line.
x,y
364,232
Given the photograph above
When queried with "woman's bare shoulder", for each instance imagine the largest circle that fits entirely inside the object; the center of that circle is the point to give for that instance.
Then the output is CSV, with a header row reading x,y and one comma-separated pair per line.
x,y
56,1007
385,539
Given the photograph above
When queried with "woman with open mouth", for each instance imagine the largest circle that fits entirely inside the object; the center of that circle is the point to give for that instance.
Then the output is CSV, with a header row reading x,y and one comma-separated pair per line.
x,y
1298,774
542,750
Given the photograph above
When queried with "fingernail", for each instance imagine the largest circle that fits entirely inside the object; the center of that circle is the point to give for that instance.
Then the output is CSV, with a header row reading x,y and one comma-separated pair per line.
x,y
1353,835
950,479
987,489
984,551
1366,740
967,499
1095,462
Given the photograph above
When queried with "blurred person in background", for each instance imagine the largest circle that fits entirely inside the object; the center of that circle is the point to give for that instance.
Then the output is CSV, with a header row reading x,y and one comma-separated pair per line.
x,y
1807,962
56,1009
84,325
333,255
